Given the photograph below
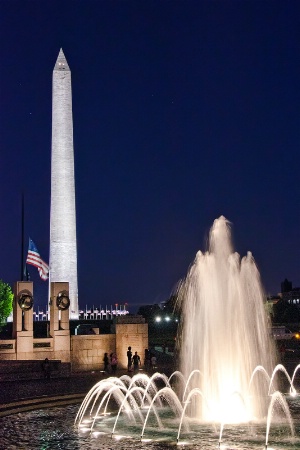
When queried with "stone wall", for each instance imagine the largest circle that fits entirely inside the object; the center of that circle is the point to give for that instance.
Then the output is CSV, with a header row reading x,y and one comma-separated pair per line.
x,y
134,335
87,351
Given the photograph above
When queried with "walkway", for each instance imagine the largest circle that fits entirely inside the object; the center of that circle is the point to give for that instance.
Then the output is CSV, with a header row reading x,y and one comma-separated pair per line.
x,y
17,396
24,395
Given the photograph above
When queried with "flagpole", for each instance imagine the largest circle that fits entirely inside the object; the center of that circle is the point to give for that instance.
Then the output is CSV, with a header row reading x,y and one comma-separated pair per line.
x,y
22,239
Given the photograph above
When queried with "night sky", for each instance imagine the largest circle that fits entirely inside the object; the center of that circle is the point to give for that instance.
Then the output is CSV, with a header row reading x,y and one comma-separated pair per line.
x,y
183,111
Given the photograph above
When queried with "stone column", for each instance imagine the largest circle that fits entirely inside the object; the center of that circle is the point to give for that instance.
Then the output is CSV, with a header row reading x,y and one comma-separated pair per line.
x,y
59,320
23,319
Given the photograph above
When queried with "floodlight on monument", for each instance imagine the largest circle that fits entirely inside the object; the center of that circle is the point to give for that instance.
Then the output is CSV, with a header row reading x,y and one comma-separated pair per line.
x,y
63,300
25,300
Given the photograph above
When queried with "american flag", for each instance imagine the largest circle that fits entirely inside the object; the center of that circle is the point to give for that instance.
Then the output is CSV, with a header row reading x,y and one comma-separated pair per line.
x,y
33,258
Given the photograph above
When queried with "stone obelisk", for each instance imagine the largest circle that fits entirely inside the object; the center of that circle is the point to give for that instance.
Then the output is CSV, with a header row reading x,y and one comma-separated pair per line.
x,y
63,244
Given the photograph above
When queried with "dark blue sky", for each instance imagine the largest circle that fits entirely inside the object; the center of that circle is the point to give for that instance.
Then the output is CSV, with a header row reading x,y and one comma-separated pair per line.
x,y
183,111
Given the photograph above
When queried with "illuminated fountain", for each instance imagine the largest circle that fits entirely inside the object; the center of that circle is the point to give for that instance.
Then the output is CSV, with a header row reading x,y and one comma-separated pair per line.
x,y
226,388
225,331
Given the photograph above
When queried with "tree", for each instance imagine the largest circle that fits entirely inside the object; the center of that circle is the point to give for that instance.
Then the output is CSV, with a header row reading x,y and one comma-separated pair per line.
x,y
286,313
172,305
6,301
149,312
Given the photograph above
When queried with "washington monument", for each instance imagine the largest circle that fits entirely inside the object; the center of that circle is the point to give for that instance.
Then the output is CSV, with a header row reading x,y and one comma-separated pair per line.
x,y
63,244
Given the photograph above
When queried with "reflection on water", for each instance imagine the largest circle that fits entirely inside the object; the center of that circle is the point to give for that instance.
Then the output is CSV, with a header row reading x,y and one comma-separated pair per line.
x,y
52,429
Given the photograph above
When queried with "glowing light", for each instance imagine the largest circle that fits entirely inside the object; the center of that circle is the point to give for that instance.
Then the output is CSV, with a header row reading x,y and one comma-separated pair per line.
x,y
293,392
85,429
118,437
97,433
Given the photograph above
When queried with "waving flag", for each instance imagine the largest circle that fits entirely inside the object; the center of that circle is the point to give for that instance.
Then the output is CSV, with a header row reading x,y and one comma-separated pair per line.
x,y
33,258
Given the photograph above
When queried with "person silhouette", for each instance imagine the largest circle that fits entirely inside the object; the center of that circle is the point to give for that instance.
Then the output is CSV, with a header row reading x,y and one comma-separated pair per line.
x,y
136,361
106,362
129,359
113,362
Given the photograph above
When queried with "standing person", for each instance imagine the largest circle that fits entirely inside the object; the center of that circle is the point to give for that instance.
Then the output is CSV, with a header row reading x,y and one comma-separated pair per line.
x,y
113,362
129,359
106,362
136,361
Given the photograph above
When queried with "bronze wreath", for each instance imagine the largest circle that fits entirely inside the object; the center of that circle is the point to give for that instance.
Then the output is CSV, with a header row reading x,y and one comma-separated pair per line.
x,y
63,300
25,300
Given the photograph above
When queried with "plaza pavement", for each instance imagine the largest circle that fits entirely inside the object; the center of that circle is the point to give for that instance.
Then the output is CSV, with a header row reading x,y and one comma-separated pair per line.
x,y
24,395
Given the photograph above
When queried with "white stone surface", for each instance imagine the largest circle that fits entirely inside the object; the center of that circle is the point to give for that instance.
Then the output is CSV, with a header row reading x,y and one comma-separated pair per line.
x,y
63,244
